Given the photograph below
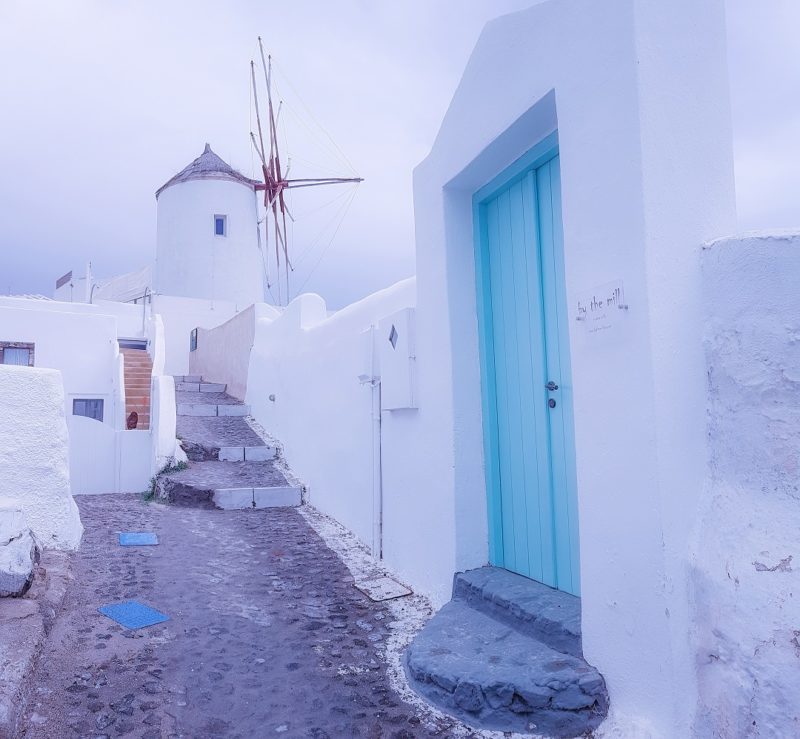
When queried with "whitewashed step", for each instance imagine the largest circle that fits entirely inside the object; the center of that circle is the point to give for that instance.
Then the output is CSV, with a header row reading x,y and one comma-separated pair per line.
x,y
246,453
238,498
209,409
188,378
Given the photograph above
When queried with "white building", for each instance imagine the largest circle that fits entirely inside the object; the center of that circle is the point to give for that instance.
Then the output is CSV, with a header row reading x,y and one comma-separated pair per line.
x,y
207,245
588,151
538,398
209,264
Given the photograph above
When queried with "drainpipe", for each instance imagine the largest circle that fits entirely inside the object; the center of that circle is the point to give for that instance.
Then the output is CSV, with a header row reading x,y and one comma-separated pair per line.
x,y
377,472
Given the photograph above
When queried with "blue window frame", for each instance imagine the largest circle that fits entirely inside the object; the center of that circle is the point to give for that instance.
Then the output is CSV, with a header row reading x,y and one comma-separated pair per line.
x,y
18,353
89,407
220,225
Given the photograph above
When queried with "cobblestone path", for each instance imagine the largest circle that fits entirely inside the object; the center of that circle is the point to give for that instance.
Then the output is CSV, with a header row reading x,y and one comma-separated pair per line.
x,y
267,637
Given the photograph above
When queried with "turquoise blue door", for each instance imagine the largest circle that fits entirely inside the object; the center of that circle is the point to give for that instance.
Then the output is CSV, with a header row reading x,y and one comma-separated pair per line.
x,y
526,379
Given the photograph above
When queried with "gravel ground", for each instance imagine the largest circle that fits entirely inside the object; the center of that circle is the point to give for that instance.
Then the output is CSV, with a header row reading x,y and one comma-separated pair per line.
x,y
267,637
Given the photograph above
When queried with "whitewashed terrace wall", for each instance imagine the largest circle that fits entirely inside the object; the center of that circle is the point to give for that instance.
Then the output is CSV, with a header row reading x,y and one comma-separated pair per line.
x,y
163,408
746,564
181,315
34,454
223,353
79,340
322,412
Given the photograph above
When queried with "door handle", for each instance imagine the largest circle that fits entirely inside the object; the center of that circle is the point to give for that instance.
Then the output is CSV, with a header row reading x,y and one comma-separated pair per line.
x,y
551,386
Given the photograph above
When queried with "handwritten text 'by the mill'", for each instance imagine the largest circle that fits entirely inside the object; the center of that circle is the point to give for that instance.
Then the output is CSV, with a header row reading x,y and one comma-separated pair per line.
x,y
600,309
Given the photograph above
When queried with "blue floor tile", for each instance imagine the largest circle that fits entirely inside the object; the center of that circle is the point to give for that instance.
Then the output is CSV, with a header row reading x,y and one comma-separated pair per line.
x,y
133,615
137,539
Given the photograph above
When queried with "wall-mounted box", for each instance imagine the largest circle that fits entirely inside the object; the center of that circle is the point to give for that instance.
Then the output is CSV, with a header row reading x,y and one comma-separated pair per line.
x,y
398,360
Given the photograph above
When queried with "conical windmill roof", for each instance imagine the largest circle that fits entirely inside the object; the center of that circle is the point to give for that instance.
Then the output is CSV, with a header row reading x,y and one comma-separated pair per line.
x,y
208,166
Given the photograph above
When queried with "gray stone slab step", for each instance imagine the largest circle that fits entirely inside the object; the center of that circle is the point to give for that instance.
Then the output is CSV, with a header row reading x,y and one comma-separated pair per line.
x,y
246,453
226,437
493,676
272,497
532,608
198,485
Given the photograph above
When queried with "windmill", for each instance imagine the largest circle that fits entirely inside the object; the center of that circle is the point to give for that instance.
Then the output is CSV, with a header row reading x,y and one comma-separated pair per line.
x,y
276,179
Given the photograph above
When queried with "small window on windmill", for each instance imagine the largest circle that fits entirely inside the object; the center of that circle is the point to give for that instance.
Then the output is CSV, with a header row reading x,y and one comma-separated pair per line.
x,y
193,340
220,225
393,337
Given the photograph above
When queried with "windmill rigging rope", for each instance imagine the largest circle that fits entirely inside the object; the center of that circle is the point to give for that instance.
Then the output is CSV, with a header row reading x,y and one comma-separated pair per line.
x,y
322,254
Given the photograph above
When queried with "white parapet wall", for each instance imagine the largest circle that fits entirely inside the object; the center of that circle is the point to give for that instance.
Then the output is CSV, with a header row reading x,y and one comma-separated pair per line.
x,y
180,316
312,383
745,576
34,454
222,354
77,339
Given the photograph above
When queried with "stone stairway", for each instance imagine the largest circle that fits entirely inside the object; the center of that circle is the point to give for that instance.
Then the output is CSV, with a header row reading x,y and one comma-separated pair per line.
x,y
505,654
138,368
230,465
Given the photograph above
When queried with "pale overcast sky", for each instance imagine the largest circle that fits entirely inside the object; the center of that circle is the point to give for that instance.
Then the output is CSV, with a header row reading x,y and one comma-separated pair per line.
x,y
101,102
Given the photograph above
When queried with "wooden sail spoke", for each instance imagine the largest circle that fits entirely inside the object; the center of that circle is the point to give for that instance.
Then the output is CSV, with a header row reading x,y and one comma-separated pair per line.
x,y
275,180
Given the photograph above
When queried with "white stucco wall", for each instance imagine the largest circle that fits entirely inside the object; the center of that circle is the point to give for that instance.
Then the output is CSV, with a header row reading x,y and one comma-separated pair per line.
x,y
191,261
322,411
131,318
179,316
34,454
223,353
745,575
79,340
637,90
163,421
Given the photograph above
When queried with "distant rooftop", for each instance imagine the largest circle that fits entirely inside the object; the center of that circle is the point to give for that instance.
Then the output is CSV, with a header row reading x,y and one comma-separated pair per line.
x,y
208,166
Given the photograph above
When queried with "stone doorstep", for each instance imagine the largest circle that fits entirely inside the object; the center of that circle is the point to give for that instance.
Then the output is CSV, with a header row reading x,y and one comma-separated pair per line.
x,y
532,608
246,453
239,498
206,409
494,677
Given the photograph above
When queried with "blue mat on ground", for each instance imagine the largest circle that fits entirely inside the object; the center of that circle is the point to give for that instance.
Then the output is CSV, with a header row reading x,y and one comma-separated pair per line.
x,y
138,539
133,615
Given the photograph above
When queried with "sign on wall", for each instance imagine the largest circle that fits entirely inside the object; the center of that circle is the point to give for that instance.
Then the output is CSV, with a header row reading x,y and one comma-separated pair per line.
x,y
601,308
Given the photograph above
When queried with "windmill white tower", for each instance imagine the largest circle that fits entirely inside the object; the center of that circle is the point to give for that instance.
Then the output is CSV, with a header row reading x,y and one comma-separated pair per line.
x,y
207,239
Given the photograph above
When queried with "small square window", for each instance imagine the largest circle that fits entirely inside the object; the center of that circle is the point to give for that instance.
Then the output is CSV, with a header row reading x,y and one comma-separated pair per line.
x,y
89,407
20,354
220,225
